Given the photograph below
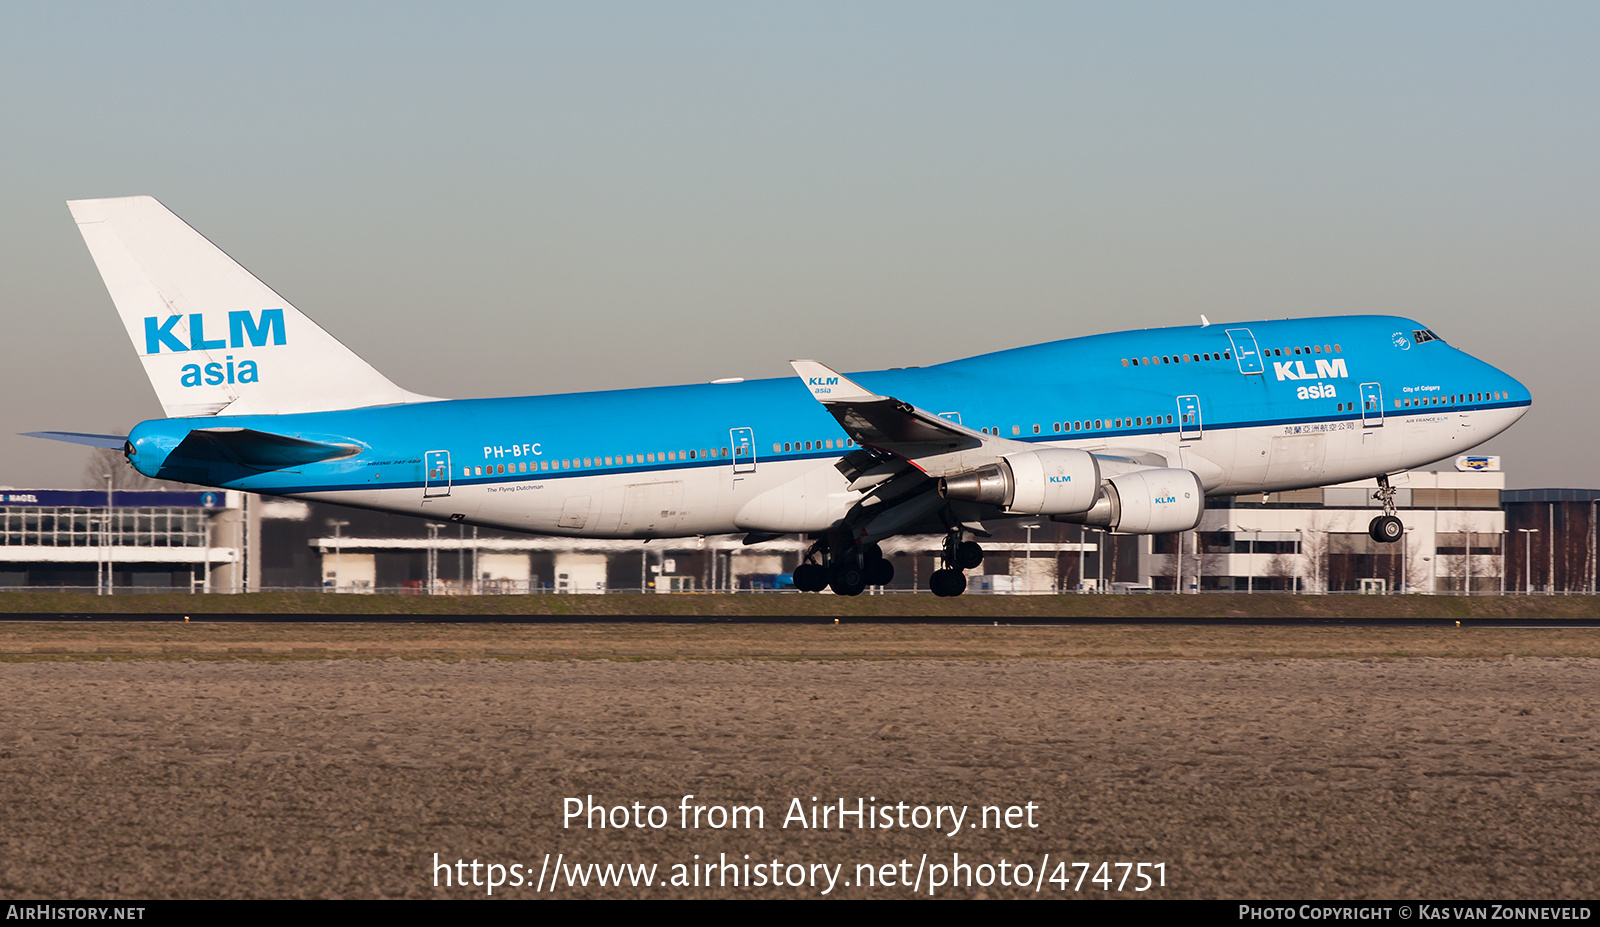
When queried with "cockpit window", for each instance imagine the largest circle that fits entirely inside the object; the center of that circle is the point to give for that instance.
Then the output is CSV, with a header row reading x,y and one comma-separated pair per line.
x,y
1422,334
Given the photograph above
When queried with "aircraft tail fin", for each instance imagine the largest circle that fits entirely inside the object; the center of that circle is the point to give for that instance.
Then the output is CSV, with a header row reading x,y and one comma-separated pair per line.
x,y
213,338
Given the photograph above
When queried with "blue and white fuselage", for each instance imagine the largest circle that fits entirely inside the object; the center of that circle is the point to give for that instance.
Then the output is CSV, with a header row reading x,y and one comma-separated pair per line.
x,y
519,462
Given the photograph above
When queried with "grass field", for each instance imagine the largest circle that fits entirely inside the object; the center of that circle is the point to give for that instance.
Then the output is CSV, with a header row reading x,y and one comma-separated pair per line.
x,y
714,605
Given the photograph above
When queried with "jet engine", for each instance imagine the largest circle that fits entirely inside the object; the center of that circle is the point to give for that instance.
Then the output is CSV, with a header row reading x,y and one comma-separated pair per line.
x,y
1049,481
1145,502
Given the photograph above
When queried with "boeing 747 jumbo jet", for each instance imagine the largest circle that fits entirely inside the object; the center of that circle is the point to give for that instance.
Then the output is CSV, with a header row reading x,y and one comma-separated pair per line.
x,y
1127,431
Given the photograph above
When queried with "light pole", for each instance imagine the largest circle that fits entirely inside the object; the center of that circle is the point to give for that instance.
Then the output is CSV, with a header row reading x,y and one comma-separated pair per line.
x,y
1550,551
111,540
1592,561
1027,559
1250,564
1504,540
1527,558
338,547
433,558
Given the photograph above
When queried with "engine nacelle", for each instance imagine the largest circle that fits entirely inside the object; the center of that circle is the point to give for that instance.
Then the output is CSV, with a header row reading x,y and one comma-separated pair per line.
x,y
1146,502
1049,481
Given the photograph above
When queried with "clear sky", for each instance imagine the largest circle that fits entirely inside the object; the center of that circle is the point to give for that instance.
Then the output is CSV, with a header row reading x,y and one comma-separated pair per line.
x,y
498,199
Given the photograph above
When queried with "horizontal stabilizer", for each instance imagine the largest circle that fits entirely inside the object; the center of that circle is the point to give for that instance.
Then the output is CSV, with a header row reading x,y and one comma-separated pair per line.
x,y
114,442
255,450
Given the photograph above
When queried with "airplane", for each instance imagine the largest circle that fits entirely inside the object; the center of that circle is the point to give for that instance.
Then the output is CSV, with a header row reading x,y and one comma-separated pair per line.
x,y
1127,431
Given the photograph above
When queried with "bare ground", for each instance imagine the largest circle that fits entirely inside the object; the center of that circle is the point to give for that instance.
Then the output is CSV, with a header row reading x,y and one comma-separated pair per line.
x,y
152,761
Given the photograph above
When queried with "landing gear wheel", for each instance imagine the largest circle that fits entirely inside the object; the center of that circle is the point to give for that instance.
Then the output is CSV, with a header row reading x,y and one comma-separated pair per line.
x,y
848,579
1386,529
880,572
809,577
947,583
969,555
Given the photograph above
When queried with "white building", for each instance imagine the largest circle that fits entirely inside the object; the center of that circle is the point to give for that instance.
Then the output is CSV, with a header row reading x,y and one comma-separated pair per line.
x,y
1315,540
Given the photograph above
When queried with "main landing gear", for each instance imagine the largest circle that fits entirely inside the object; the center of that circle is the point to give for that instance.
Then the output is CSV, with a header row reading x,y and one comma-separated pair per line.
x,y
848,572
1386,528
849,568
958,556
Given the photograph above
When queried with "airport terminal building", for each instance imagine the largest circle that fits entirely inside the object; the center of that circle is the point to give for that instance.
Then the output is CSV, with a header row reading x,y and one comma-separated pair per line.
x,y
107,539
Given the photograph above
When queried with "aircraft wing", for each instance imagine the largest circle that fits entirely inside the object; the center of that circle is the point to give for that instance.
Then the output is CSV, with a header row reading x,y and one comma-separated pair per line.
x,y
937,446
882,422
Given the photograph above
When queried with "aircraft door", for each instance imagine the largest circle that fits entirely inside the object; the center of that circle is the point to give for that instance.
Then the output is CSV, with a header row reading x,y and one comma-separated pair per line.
x,y
436,474
744,449
1188,418
1245,351
1371,405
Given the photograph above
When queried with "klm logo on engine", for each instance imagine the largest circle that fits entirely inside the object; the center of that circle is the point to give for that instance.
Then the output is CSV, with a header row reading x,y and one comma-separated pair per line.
x,y
244,330
1166,498
1296,370
1060,479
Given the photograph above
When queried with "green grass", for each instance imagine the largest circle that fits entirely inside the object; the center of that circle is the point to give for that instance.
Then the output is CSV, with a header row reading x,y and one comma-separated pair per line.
x,y
998,607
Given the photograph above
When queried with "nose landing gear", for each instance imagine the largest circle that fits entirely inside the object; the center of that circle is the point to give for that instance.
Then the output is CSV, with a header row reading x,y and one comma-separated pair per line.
x,y
1386,528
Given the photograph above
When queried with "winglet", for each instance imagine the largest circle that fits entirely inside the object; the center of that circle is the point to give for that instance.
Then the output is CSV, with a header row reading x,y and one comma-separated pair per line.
x,y
829,385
